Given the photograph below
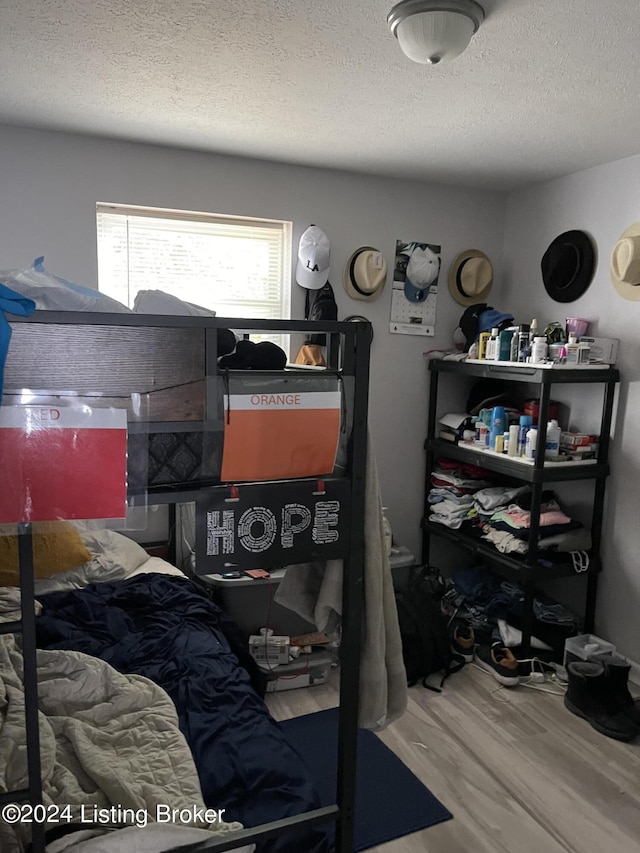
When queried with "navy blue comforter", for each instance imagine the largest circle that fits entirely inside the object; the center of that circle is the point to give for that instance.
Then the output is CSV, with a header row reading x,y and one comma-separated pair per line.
x,y
168,630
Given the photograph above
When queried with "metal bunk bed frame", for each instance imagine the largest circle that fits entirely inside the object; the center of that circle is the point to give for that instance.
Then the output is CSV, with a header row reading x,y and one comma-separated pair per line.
x,y
348,349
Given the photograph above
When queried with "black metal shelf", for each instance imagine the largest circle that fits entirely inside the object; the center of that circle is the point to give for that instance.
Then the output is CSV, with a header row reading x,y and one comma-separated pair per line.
x,y
527,372
530,569
551,472
512,566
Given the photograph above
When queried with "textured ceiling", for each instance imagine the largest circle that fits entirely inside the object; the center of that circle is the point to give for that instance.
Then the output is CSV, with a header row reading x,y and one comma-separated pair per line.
x,y
547,87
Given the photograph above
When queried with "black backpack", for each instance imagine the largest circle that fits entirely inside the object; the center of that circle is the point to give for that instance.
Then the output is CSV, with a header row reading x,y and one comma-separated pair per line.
x,y
426,646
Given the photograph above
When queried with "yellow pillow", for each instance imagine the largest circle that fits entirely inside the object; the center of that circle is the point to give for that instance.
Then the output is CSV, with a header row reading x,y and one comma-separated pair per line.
x,y
57,547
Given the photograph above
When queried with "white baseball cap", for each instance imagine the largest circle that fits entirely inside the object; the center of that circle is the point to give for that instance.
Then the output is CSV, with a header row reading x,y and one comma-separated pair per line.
x,y
313,259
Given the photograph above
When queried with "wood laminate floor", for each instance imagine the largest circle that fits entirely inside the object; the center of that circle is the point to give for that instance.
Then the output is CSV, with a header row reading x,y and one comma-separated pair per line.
x,y
519,772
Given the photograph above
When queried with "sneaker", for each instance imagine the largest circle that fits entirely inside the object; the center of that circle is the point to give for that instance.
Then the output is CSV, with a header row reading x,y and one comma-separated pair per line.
x,y
499,661
462,642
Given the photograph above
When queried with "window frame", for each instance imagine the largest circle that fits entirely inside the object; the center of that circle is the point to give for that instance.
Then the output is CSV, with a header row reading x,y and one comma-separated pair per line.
x,y
284,228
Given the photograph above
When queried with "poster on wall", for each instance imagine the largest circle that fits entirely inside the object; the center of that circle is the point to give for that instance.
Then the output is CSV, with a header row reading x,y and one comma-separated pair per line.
x,y
415,288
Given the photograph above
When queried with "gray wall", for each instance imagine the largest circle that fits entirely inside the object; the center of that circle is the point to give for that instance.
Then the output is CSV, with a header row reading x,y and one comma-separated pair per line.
x,y
51,182
602,201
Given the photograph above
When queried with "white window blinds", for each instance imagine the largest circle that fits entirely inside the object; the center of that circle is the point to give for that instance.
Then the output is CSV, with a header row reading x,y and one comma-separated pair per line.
x,y
236,266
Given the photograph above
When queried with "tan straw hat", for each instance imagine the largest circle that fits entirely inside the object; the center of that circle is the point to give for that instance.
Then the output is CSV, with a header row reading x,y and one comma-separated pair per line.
x,y
625,263
365,274
470,277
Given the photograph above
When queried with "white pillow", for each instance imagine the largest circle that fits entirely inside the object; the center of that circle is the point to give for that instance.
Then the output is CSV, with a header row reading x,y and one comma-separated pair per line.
x,y
114,558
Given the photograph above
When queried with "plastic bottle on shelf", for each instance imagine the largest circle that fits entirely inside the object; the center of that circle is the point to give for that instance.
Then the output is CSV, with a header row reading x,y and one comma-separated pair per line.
x,y
492,346
539,349
524,342
572,349
513,439
552,450
515,345
498,423
531,441
533,329
505,442
483,340
525,424
504,343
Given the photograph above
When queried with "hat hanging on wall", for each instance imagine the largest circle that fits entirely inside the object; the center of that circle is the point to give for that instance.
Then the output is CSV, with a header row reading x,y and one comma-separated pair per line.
x,y
422,271
312,270
568,266
625,263
358,318
365,274
470,277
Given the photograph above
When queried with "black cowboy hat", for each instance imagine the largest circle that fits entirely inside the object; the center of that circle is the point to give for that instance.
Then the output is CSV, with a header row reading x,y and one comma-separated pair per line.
x,y
568,266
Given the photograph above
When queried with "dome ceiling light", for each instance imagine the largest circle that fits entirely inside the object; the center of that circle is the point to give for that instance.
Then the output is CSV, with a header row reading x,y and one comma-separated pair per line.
x,y
430,32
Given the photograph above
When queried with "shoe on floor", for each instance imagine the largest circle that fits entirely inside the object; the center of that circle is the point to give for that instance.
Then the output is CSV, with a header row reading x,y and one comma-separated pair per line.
x,y
593,695
462,642
500,662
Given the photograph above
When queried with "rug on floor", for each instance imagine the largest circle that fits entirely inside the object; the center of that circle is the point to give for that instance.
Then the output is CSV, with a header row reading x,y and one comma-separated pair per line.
x,y
390,800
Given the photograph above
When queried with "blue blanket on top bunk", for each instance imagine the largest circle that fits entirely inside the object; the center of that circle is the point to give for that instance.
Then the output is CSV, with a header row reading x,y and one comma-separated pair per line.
x,y
166,629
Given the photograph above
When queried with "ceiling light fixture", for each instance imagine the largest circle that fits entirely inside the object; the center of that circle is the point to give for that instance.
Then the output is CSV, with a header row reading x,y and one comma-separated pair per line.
x,y
430,32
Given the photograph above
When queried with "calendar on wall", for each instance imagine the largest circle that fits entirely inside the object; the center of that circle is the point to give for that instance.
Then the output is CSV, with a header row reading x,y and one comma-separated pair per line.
x,y
415,288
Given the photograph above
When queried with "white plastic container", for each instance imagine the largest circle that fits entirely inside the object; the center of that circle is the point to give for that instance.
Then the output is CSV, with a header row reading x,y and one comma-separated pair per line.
x,y
530,446
586,647
552,450
539,349
572,350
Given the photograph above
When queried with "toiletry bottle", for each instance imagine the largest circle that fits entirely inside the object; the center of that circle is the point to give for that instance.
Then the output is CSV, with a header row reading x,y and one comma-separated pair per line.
x,y
533,329
483,340
498,422
552,450
572,349
505,443
524,347
532,440
539,349
513,439
504,343
492,346
525,424
515,345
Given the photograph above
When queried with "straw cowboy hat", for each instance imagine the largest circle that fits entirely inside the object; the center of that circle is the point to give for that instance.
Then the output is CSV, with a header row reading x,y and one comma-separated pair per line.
x,y
625,263
470,277
365,274
568,266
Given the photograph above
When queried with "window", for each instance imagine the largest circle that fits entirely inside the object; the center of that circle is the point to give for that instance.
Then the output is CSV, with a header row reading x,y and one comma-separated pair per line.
x,y
236,266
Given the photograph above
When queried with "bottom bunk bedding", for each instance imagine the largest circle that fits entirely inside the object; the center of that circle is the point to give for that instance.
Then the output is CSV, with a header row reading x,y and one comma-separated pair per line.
x,y
95,726
166,629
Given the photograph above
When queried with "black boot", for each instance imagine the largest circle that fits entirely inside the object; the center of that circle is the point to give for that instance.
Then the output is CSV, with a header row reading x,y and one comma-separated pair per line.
x,y
619,675
590,695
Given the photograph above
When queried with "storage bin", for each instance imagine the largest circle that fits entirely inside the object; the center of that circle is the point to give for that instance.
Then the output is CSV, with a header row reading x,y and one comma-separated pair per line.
x,y
586,647
306,671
